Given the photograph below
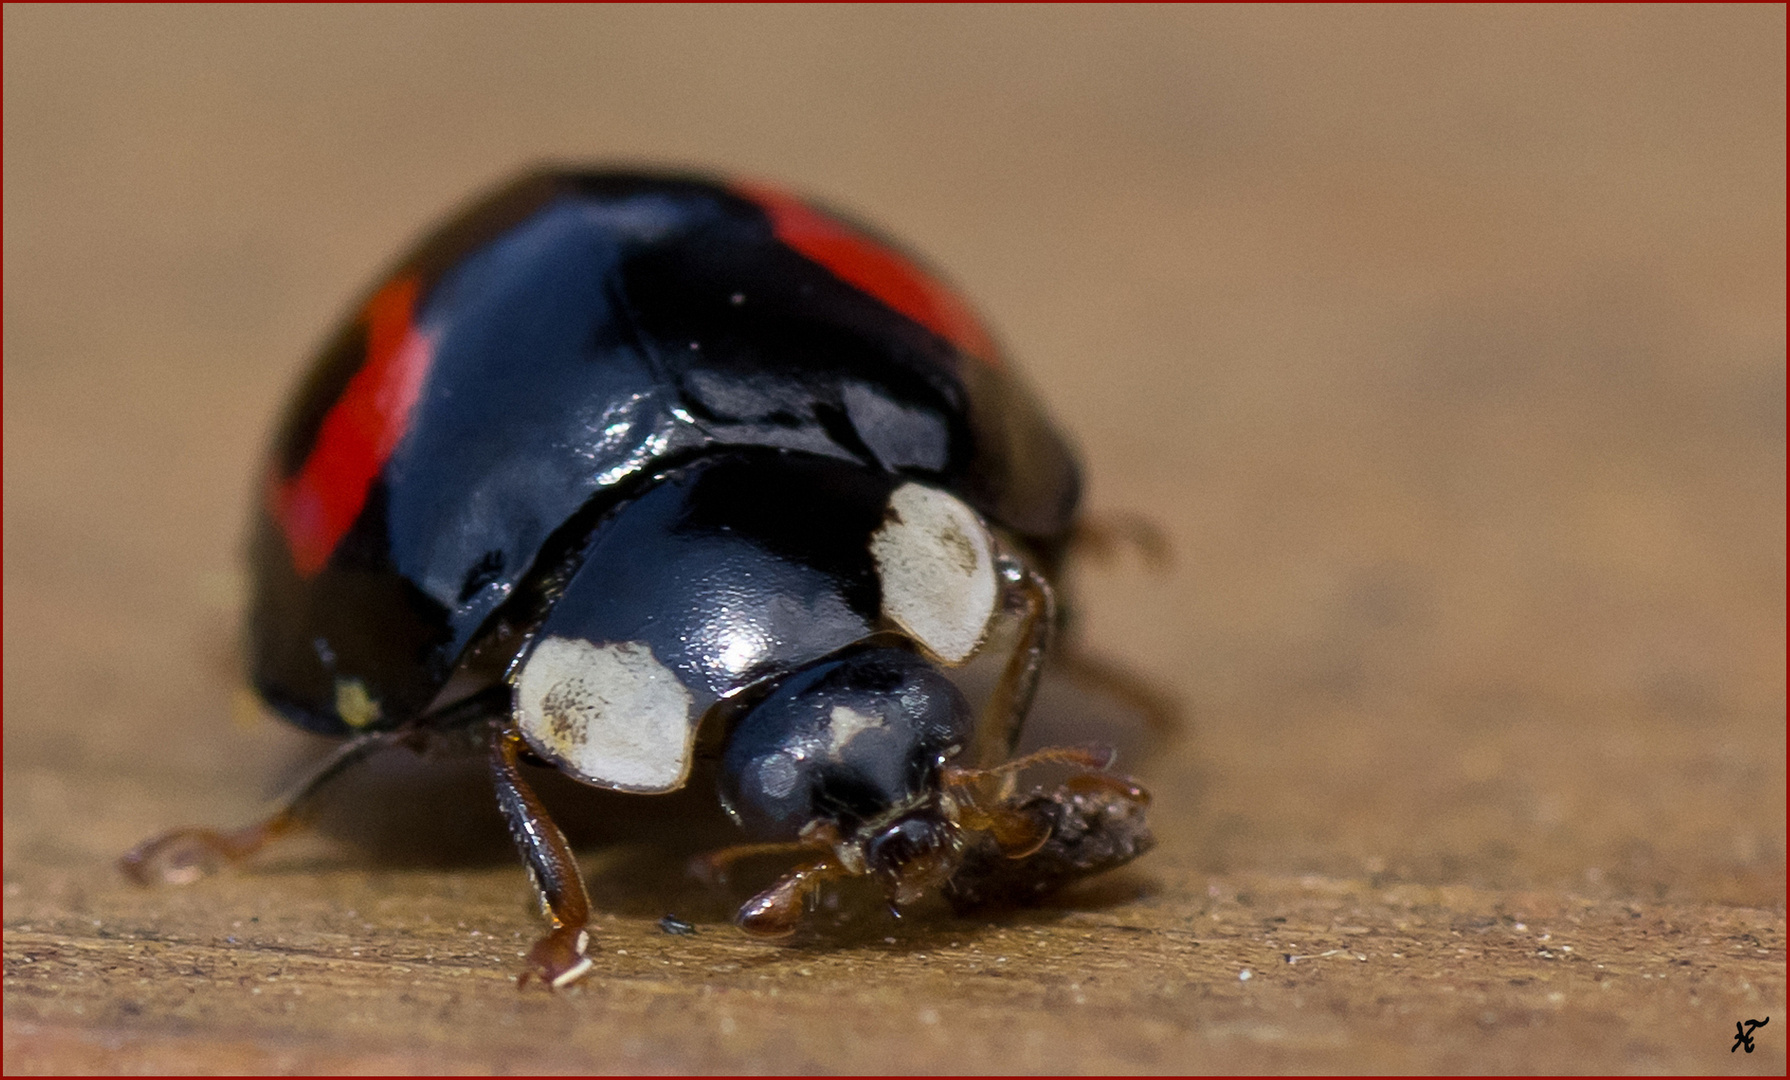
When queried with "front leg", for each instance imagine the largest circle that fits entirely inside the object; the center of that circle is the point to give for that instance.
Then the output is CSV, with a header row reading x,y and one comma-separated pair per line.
x,y
1027,593
559,958
778,910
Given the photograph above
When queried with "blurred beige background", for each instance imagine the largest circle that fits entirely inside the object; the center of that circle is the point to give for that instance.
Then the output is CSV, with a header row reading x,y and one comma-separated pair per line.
x,y
1446,344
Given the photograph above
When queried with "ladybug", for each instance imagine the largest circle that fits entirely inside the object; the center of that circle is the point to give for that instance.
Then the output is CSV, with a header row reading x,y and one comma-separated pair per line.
x,y
616,471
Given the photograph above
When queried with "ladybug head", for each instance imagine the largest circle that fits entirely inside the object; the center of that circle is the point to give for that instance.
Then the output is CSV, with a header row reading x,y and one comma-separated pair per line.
x,y
848,754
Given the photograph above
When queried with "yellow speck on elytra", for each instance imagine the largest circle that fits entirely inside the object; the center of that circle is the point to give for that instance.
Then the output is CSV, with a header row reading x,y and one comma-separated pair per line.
x,y
354,705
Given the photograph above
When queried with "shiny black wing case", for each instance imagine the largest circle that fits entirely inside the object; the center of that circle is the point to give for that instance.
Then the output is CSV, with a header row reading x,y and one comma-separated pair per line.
x,y
548,353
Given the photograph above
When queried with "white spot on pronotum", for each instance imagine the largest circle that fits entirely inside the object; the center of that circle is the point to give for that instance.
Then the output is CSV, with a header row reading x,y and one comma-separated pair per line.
x,y
936,562
611,715
354,705
845,724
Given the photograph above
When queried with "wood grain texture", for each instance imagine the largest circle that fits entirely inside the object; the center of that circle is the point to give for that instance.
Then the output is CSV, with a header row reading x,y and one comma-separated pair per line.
x,y
1445,345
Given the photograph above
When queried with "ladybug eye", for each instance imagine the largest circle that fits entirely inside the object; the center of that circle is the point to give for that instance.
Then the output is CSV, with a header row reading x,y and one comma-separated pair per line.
x,y
843,741
914,854
908,840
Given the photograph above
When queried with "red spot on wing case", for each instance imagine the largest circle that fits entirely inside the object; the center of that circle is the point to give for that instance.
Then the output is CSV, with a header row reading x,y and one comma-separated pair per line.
x,y
867,265
317,506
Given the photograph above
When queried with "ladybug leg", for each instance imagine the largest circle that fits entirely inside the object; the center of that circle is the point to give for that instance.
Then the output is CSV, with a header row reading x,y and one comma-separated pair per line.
x,y
779,909
1116,787
559,958
1095,761
1092,758
182,856
1015,832
1160,710
1028,593
1101,536
986,802
713,867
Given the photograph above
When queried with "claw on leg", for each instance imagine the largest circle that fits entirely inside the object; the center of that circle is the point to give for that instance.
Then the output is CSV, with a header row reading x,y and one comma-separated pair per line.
x,y
559,958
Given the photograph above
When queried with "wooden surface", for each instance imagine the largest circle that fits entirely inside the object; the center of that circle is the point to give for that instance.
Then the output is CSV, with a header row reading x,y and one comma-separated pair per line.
x,y
1447,345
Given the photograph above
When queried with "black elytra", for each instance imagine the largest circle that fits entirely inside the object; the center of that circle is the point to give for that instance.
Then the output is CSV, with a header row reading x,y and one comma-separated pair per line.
x,y
612,454
579,335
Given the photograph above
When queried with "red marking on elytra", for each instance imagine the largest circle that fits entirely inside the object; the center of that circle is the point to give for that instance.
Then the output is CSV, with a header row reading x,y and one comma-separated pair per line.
x,y
861,262
317,506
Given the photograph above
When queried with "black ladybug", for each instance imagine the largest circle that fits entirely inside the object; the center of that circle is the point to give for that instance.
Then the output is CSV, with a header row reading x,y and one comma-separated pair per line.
x,y
619,469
